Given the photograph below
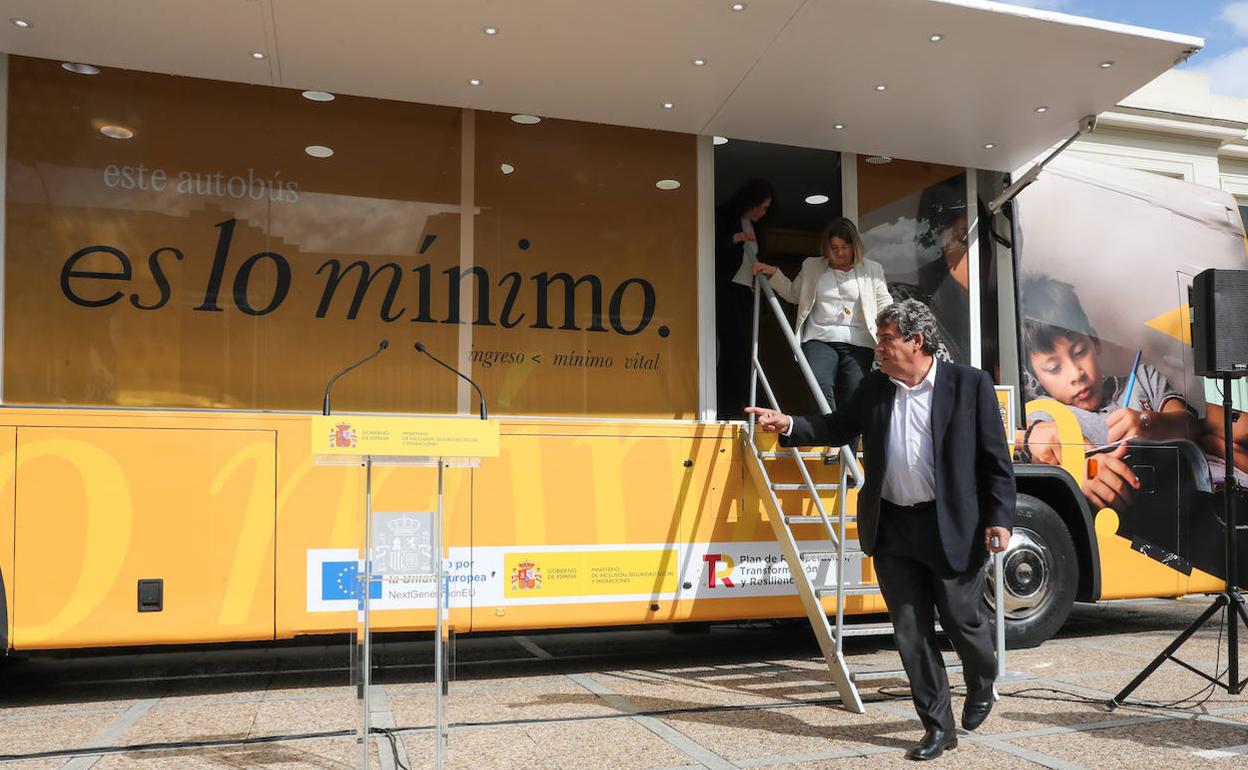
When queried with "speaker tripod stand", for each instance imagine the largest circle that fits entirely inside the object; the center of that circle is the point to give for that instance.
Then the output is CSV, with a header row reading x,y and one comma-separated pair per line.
x,y
1230,600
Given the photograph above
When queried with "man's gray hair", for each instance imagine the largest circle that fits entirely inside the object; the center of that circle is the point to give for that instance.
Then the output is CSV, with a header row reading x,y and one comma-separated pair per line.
x,y
912,317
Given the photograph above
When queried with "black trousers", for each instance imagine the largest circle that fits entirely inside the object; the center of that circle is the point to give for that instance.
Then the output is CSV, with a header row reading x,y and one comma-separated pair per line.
x,y
734,322
917,583
838,368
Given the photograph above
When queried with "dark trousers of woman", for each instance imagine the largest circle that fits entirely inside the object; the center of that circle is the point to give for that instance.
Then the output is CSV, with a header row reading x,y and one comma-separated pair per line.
x,y
734,318
838,367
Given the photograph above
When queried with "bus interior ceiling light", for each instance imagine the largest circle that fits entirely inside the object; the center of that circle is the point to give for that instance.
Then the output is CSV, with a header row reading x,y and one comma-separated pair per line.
x,y
21,23
80,69
526,120
116,132
817,200
318,96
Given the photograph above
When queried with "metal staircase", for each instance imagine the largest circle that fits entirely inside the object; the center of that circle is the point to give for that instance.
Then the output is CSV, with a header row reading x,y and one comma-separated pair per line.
x,y
823,539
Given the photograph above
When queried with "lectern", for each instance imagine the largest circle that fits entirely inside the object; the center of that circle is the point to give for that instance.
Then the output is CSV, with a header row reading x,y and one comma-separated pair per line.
x,y
383,441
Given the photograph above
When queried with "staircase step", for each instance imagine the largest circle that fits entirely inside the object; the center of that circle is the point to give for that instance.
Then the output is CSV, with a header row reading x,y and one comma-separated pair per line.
x,y
850,590
780,455
873,629
826,554
804,487
814,519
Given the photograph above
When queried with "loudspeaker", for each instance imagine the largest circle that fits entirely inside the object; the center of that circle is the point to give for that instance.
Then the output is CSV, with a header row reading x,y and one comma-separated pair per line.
x,y
1219,301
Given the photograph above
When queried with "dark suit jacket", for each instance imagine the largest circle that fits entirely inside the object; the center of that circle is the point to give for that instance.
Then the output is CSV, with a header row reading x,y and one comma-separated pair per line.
x,y
974,475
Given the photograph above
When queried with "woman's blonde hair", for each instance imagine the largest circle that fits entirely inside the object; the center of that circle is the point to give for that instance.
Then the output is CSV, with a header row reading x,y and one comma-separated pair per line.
x,y
844,229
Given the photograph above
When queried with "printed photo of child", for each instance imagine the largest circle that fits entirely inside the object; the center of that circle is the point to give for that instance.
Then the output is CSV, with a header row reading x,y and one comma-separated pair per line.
x,y
1061,360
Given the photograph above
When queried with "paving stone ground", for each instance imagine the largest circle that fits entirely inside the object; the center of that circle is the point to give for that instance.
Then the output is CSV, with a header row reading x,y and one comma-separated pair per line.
x,y
727,696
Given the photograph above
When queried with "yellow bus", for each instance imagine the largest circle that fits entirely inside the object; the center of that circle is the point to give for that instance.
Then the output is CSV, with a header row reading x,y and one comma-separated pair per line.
x,y
191,249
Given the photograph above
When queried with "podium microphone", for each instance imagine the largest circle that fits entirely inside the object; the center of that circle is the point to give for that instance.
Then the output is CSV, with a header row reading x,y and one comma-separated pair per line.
x,y
480,398
380,347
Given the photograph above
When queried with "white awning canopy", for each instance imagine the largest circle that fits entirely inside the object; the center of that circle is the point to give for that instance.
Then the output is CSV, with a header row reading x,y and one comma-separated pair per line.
x,y
783,71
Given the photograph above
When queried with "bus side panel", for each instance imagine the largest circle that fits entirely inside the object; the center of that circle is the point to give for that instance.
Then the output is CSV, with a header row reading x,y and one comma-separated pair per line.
x,y
8,460
99,509
580,526
602,525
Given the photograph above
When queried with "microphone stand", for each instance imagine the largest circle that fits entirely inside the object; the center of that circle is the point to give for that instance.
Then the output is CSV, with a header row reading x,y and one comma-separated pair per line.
x,y
329,385
480,397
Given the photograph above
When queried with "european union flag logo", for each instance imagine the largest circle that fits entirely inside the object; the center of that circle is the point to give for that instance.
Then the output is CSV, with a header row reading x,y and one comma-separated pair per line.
x,y
339,580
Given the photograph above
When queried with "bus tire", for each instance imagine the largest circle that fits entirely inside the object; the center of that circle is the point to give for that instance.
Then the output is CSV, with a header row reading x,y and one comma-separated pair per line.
x,y
1041,575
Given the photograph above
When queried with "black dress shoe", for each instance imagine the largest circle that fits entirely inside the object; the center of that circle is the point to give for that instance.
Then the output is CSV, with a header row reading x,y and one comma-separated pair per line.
x,y
975,710
934,743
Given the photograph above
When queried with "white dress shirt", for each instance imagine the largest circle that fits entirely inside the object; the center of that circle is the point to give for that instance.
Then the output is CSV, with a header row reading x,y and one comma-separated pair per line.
x,y
749,255
836,315
909,475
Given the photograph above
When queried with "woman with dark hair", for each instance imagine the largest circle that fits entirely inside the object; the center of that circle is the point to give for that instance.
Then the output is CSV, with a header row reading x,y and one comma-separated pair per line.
x,y
736,251
838,296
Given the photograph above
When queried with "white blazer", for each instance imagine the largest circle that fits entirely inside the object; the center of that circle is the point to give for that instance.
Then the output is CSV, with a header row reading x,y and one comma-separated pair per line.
x,y
872,290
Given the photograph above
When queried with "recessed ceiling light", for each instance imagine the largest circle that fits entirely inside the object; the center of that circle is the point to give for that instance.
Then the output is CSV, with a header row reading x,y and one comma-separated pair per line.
x,y
879,160
699,62
525,120
80,69
936,38
1106,65
668,105
738,6
318,96
116,132
718,140
257,55
491,31
474,81
1042,108
21,23
817,200
667,184
318,151
839,126
506,168
881,87
989,146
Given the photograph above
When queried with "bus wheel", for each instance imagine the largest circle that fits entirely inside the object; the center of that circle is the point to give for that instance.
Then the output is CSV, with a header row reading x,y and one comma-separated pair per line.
x,y
1041,575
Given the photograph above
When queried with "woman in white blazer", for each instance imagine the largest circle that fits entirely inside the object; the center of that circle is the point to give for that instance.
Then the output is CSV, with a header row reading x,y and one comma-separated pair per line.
x,y
838,296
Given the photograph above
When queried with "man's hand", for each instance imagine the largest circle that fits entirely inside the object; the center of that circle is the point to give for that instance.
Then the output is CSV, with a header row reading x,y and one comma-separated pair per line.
x,y
1043,443
768,270
1123,424
1111,482
1002,535
743,236
770,420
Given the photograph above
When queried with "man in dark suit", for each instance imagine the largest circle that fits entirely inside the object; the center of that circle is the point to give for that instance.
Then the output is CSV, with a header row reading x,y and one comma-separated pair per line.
x,y
938,496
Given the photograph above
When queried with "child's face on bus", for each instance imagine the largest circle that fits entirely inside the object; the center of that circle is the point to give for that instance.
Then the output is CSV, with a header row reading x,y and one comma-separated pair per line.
x,y
1070,372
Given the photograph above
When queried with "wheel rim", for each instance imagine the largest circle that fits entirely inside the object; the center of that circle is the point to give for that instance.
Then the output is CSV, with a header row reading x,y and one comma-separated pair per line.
x,y
1028,570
